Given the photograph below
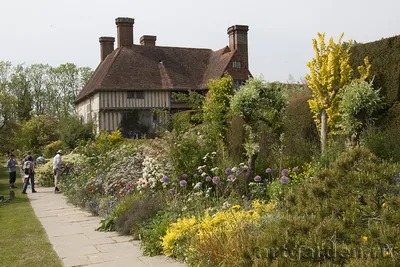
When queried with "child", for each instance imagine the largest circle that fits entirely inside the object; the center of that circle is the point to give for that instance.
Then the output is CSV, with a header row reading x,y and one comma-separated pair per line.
x,y
12,169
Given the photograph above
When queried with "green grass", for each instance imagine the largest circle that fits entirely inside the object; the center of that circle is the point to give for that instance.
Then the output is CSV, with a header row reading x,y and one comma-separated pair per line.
x,y
23,241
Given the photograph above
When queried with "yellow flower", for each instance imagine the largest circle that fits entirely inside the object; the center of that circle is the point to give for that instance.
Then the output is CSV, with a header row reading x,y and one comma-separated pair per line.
x,y
365,238
387,253
236,207
384,204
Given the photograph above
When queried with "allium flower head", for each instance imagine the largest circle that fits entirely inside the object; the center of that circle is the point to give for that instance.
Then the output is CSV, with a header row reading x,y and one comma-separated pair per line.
x,y
165,179
285,172
268,170
208,179
231,178
216,180
183,183
396,179
238,173
284,180
228,171
257,178
195,175
295,169
185,176
172,191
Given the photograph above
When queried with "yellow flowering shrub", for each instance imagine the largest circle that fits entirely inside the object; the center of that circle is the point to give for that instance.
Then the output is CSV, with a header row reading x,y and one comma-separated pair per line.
x,y
178,233
208,230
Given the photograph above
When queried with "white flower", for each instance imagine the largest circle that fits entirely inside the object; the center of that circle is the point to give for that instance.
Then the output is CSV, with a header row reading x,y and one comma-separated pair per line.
x,y
214,153
197,186
203,174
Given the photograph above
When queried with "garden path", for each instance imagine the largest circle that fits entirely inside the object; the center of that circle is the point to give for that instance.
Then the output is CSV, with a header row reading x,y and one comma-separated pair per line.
x,y
72,233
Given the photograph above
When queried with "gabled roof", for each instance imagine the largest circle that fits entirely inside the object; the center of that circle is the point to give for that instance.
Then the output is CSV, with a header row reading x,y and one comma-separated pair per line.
x,y
143,67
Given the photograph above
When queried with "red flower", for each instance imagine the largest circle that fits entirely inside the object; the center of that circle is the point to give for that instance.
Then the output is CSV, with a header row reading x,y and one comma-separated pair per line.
x,y
122,185
131,186
90,190
144,182
118,185
121,193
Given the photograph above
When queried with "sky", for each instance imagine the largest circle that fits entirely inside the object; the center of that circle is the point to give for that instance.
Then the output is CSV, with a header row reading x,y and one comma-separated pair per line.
x,y
280,31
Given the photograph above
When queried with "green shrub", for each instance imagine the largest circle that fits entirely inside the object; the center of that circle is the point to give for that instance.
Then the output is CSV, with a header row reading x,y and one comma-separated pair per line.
x,y
51,149
348,208
140,211
73,131
151,231
383,142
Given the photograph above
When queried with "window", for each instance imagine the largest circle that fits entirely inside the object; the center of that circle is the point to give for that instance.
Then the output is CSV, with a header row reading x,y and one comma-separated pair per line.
x,y
139,95
135,95
236,64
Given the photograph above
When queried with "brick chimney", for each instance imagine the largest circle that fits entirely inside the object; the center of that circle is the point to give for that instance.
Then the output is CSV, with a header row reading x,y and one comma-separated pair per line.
x,y
238,40
124,31
149,40
106,46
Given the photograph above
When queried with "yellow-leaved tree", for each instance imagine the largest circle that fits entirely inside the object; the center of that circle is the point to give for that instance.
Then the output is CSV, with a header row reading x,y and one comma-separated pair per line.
x,y
330,71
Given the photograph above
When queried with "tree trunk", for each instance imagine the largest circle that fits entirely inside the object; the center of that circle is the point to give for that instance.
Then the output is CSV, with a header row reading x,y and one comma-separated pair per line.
x,y
324,130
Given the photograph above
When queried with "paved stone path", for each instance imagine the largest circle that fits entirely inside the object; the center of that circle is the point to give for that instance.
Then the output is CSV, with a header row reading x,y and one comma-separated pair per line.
x,y
72,233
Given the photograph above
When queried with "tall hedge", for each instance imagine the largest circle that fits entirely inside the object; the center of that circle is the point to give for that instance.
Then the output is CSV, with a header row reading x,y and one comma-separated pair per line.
x,y
384,56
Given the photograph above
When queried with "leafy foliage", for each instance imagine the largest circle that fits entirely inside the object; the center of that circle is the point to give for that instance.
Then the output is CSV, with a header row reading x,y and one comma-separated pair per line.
x,y
73,131
37,133
216,107
359,101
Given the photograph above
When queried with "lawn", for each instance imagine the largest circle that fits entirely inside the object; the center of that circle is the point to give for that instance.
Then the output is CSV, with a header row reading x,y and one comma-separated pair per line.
x,y
23,241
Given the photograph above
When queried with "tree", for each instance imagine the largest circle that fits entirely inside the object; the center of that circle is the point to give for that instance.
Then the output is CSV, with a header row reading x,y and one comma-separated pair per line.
x,y
216,107
72,131
330,71
38,132
358,103
19,87
261,106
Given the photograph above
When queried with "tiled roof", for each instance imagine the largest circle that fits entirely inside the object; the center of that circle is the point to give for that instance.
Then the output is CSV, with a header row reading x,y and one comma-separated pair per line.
x,y
157,67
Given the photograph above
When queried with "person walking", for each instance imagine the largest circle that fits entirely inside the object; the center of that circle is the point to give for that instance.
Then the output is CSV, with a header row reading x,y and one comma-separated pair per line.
x,y
57,170
29,174
12,169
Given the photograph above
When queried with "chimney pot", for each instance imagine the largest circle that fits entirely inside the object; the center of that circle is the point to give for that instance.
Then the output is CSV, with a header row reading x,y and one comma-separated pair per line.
x,y
106,46
124,31
148,40
238,41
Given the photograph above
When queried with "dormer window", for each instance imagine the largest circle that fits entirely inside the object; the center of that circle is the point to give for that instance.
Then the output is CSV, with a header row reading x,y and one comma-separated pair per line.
x,y
236,64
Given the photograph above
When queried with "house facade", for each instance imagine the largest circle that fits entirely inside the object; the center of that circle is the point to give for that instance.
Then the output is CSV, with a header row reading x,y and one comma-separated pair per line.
x,y
134,79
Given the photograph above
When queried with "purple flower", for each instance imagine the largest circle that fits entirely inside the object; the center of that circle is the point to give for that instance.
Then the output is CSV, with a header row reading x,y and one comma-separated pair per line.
x,y
184,176
183,183
172,191
268,170
295,169
257,178
228,171
165,179
231,178
208,179
238,173
195,175
216,180
284,180
285,172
